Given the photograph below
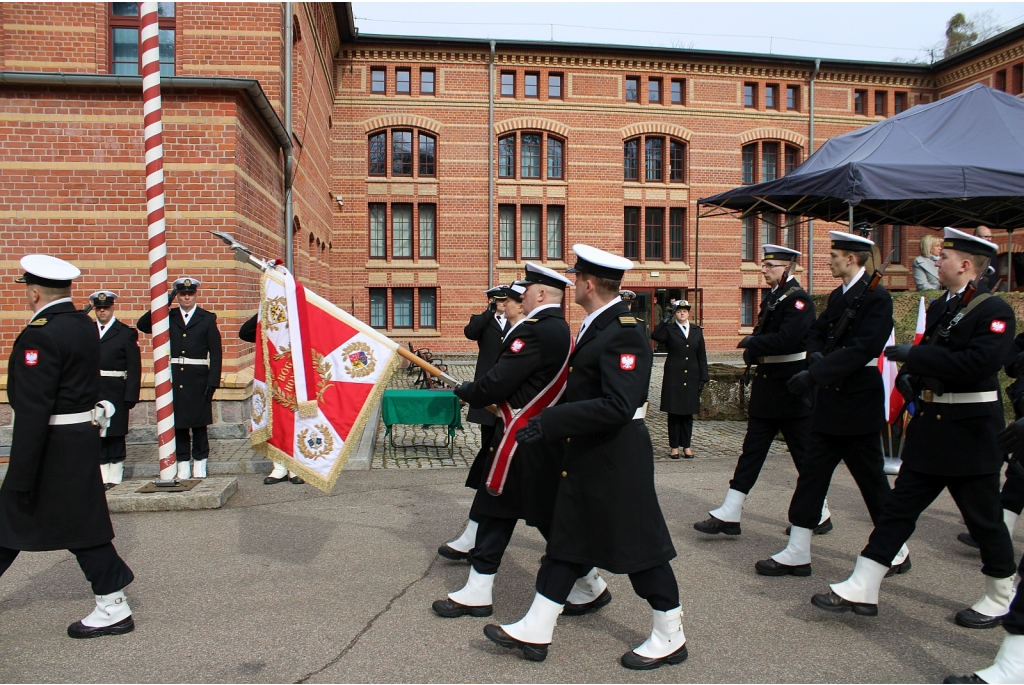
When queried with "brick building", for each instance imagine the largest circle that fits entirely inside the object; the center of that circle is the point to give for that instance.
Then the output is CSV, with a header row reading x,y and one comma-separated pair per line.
x,y
389,160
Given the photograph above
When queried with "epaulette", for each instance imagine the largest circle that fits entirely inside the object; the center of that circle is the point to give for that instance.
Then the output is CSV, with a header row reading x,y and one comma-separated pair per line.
x,y
532,320
629,321
41,321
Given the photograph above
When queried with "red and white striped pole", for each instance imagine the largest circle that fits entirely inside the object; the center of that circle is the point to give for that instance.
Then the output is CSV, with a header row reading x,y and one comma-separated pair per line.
x,y
151,108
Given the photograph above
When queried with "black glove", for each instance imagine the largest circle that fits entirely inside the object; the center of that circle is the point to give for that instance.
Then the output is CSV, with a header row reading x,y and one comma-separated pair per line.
x,y
742,344
814,357
748,357
1013,369
24,497
905,384
130,405
700,388
532,433
461,390
1011,438
493,306
801,383
898,353
209,392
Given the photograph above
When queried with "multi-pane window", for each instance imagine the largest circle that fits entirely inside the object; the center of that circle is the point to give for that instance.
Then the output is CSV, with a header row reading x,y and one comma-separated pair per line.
x,y
530,155
897,244
508,84
769,228
401,299
378,231
426,154
531,85
507,157
654,160
428,307
125,40
676,221
507,232
556,221
554,85
428,231
748,298
677,91
654,90
654,229
769,161
761,162
530,232
748,239
880,103
378,154
792,159
377,80
789,231
554,158
401,231
899,102
749,163
859,96
630,232
630,153
426,81
750,95
379,307
632,89
401,153
792,98
771,97
676,158
403,81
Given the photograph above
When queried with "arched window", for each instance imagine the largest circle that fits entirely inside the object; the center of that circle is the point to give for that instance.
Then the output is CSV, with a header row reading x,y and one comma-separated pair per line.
x,y
767,160
413,153
541,156
664,159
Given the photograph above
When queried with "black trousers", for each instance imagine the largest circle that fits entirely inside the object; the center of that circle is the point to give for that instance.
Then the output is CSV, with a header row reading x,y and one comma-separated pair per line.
x,y
975,496
863,457
757,442
102,566
198,447
680,430
492,537
657,585
113,449
1012,497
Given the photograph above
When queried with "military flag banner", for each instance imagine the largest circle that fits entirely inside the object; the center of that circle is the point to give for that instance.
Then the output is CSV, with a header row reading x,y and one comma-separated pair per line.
x,y
318,374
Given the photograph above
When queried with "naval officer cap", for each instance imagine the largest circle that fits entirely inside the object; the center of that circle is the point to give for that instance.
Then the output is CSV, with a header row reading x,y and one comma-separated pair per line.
x,y
186,285
964,242
849,242
497,292
515,290
47,271
779,252
102,298
535,273
627,295
590,260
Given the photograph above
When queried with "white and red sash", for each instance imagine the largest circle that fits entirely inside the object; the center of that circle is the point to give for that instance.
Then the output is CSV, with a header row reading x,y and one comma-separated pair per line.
x,y
547,397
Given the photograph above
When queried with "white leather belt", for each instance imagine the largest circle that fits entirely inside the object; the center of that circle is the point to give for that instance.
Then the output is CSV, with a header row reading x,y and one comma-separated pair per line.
x,y
188,360
873,362
960,397
113,374
70,419
641,412
782,358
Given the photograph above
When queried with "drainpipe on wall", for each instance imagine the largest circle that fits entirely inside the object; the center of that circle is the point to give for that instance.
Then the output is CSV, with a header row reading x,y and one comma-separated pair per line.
x,y
490,171
810,149
288,159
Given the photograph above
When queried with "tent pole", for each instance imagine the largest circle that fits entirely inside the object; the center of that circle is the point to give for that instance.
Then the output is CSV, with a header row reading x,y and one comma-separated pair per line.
x,y
696,262
1009,261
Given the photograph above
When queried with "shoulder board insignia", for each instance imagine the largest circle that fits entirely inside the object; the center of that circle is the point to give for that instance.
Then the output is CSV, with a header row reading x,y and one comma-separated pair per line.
x,y
41,321
532,320
627,320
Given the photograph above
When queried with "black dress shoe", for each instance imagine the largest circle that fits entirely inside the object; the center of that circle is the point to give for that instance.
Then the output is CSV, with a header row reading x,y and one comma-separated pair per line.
x,y
451,609
579,609
969,618
968,540
296,480
820,529
973,678
770,567
833,602
270,480
108,486
80,631
645,663
714,526
499,637
898,569
452,553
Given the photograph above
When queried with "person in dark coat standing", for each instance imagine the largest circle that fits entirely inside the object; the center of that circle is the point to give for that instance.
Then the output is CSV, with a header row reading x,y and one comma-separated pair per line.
x,y
195,374
849,411
52,497
685,375
606,513
952,377
120,382
488,330
778,349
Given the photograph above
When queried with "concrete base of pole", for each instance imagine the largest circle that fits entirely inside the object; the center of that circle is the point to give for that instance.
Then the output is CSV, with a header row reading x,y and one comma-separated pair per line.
x,y
212,493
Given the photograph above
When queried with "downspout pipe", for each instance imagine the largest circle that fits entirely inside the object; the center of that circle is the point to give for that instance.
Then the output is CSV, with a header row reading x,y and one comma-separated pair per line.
x,y
289,159
810,150
490,170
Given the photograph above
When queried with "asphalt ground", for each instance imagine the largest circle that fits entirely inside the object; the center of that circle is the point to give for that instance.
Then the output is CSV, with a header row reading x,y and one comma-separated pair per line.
x,y
285,584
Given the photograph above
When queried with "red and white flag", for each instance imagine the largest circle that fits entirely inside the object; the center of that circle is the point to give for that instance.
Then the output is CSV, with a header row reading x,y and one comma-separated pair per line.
x,y
922,317
889,371
318,373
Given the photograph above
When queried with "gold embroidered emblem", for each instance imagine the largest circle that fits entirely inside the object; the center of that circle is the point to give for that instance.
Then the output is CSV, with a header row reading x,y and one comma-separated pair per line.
x,y
38,322
360,358
259,404
317,443
275,312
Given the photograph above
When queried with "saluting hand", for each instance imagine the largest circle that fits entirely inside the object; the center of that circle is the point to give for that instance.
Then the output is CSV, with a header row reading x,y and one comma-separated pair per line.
x,y
1011,438
801,383
898,353
533,432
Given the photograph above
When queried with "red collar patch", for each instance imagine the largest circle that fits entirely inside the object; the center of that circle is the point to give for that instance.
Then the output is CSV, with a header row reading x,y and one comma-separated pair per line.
x,y
517,345
627,362
997,326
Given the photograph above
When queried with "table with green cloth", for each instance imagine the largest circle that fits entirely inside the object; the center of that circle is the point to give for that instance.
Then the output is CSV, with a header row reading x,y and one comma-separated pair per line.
x,y
421,407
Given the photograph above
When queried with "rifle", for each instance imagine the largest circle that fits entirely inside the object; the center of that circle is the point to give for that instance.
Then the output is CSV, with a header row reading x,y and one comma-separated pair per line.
x,y
762,321
846,320
952,318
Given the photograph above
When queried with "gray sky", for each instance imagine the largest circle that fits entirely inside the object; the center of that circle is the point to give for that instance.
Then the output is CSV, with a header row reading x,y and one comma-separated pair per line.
x,y
876,31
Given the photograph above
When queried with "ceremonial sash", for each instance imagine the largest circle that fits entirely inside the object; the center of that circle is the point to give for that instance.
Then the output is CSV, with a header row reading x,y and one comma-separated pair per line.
x,y
547,397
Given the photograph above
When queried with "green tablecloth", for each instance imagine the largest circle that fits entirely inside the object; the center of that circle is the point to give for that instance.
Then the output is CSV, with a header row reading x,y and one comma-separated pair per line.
x,y
433,407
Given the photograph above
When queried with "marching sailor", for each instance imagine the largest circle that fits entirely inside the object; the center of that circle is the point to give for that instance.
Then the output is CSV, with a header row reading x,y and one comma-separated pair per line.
x,y
849,412
607,513
952,377
195,374
120,382
488,330
778,349
52,497
520,481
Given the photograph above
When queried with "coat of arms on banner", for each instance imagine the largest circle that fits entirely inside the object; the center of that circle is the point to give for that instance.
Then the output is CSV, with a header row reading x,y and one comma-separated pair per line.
x,y
360,360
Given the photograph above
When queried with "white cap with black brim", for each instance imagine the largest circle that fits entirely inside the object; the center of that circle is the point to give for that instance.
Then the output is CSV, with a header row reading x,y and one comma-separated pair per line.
x,y
497,292
47,271
849,242
779,252
965,242
591,260
103,298
535,273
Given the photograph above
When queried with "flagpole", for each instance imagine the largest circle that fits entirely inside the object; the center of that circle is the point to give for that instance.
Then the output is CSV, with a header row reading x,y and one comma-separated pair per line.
x,y
153,135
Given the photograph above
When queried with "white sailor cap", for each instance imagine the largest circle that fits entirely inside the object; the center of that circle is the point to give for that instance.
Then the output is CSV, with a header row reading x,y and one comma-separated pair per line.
x,y
683,304
779,252
535,273
849,242
591,260
47,271
627,295
965,242
186,284
497,292
103,298
515,290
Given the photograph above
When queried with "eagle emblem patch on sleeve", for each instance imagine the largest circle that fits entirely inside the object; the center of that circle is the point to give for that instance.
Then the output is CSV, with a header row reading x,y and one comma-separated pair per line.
x,y
31,357
627,362
799,304
517,345
997,326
